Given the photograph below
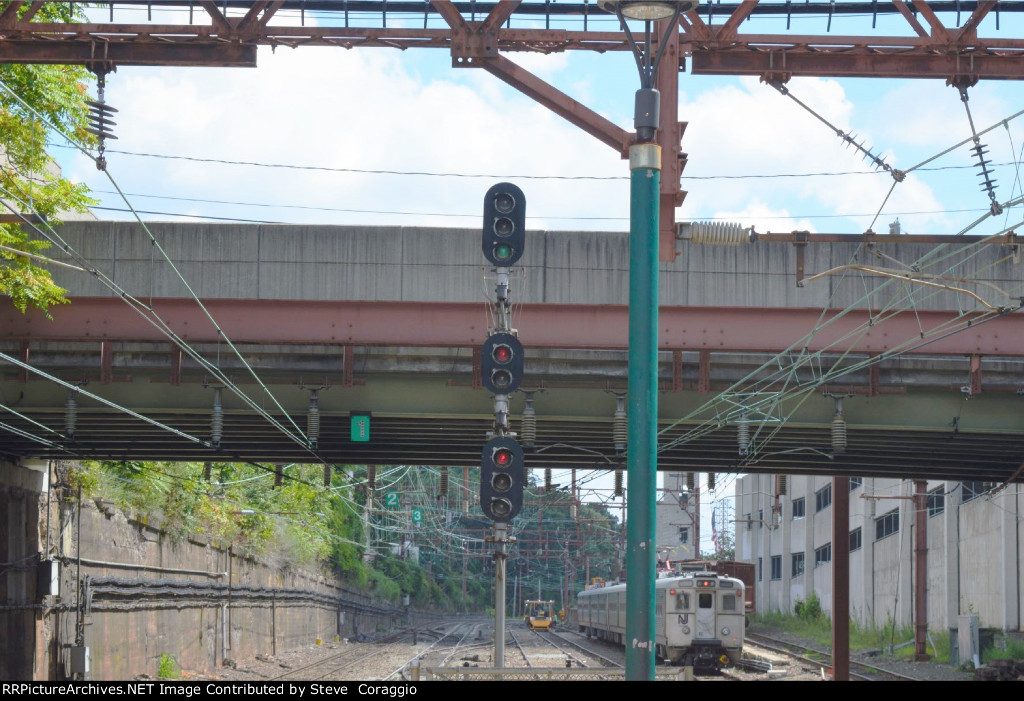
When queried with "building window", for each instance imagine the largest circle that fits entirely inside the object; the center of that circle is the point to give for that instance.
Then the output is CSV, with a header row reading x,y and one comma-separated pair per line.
x,y
887,524
936,502
760,571
856,482
973,490
776,566
855,539
798,564
823,498
760,518
798,508
746,517
823,555
684,534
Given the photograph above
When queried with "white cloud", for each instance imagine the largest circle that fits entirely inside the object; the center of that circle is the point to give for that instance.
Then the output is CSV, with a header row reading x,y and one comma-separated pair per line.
x,y
745,128
410,111
368,110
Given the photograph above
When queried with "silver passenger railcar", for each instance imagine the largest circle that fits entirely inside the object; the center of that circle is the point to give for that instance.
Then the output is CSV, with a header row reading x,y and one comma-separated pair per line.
x,y
699,618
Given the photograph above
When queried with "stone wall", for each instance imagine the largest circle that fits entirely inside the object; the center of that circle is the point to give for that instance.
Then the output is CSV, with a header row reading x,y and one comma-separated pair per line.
x,y
130,594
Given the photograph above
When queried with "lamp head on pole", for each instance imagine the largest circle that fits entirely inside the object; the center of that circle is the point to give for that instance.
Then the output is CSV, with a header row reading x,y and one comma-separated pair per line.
x,y
648,101
647,10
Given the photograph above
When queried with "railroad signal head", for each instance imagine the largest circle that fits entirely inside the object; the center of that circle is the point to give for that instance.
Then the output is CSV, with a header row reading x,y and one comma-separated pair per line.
x,y
502,363
501,479
504,230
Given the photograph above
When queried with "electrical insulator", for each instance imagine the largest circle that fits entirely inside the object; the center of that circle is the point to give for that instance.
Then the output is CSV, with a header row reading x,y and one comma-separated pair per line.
x,y
743,434
839,434
547,479
465,507
691,481
618,483
780,485
99,120
711,481
716,233
313,420
442,484
327,475
620,425
838,428
528,430
573,511
207,470
71,413
216,420
371,476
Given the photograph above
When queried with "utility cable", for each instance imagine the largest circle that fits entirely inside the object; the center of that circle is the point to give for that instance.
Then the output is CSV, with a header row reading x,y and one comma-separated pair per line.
x,y
300,437
148,313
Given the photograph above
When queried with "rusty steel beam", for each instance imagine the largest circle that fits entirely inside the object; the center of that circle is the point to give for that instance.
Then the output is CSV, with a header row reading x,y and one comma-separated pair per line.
x,y
669,137
841,579
921,571
576,113
128,54
454,324
785,63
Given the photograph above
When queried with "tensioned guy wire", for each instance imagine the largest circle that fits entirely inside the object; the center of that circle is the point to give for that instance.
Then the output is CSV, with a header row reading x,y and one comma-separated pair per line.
x,y
300,438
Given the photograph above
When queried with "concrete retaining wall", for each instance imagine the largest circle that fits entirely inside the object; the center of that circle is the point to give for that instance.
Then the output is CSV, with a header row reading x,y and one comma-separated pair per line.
x,y
131,594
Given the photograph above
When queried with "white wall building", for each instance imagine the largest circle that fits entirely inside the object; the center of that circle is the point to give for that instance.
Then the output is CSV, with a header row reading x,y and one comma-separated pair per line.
x,y
975,539
676,530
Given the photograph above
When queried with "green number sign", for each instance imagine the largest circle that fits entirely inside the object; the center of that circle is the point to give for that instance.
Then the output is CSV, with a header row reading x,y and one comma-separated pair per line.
x,y
360,429
391,500
417,515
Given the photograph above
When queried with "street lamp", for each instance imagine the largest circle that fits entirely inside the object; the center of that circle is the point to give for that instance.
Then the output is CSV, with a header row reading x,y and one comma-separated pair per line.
x,y
642,455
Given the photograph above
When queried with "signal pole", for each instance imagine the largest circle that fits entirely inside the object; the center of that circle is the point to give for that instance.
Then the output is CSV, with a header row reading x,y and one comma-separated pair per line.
x,y
642,455
502,464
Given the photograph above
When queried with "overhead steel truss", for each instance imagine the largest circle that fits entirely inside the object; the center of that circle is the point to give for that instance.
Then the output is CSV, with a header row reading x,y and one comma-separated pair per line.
x,y
228,32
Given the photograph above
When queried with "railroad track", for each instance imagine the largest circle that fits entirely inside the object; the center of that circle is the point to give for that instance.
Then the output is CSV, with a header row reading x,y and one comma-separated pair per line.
x,y
821,659
442,647
335,665
565,640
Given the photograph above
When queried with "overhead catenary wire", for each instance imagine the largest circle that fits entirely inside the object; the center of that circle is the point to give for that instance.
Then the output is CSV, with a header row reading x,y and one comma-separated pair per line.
x,y
150,315
300,437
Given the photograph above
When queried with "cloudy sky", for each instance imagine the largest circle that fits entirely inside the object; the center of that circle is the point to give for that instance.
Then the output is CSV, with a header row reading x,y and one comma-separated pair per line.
x,y
339,114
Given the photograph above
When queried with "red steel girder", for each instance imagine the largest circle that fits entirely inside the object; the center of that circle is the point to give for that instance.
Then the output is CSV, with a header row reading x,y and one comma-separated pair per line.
x,y
452,324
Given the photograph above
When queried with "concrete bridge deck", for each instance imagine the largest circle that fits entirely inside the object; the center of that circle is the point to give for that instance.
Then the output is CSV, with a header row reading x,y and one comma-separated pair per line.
x,y
391,319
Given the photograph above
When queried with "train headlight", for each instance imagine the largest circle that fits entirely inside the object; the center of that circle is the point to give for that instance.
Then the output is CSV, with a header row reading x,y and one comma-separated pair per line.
x,y
725,630
686,630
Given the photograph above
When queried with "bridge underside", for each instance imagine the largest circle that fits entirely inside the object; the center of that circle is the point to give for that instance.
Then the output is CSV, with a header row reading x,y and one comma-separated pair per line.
x,y
951,416
561,443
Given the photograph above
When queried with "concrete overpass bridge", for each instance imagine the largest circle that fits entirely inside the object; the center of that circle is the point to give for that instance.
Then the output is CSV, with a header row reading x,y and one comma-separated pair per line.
x,y
916,340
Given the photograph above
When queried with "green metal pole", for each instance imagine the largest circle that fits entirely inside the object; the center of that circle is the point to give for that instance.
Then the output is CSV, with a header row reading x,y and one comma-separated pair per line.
x,y
642,456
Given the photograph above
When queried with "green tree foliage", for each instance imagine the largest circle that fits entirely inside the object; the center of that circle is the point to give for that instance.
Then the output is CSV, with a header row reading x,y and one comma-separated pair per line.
x,y
29,183
300,524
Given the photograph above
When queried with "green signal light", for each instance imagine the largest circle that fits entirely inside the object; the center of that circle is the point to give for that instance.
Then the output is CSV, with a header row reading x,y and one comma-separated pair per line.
x,y
503,251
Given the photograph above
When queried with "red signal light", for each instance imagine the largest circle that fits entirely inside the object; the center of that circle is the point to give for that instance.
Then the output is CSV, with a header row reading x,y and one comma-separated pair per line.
x,y
502,354
502,457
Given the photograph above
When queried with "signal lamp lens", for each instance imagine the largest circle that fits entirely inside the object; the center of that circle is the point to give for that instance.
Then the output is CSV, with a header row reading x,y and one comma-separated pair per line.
x,y
502,252
504,202
504,227
502,354
502,457
502,482
501,508
501,379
